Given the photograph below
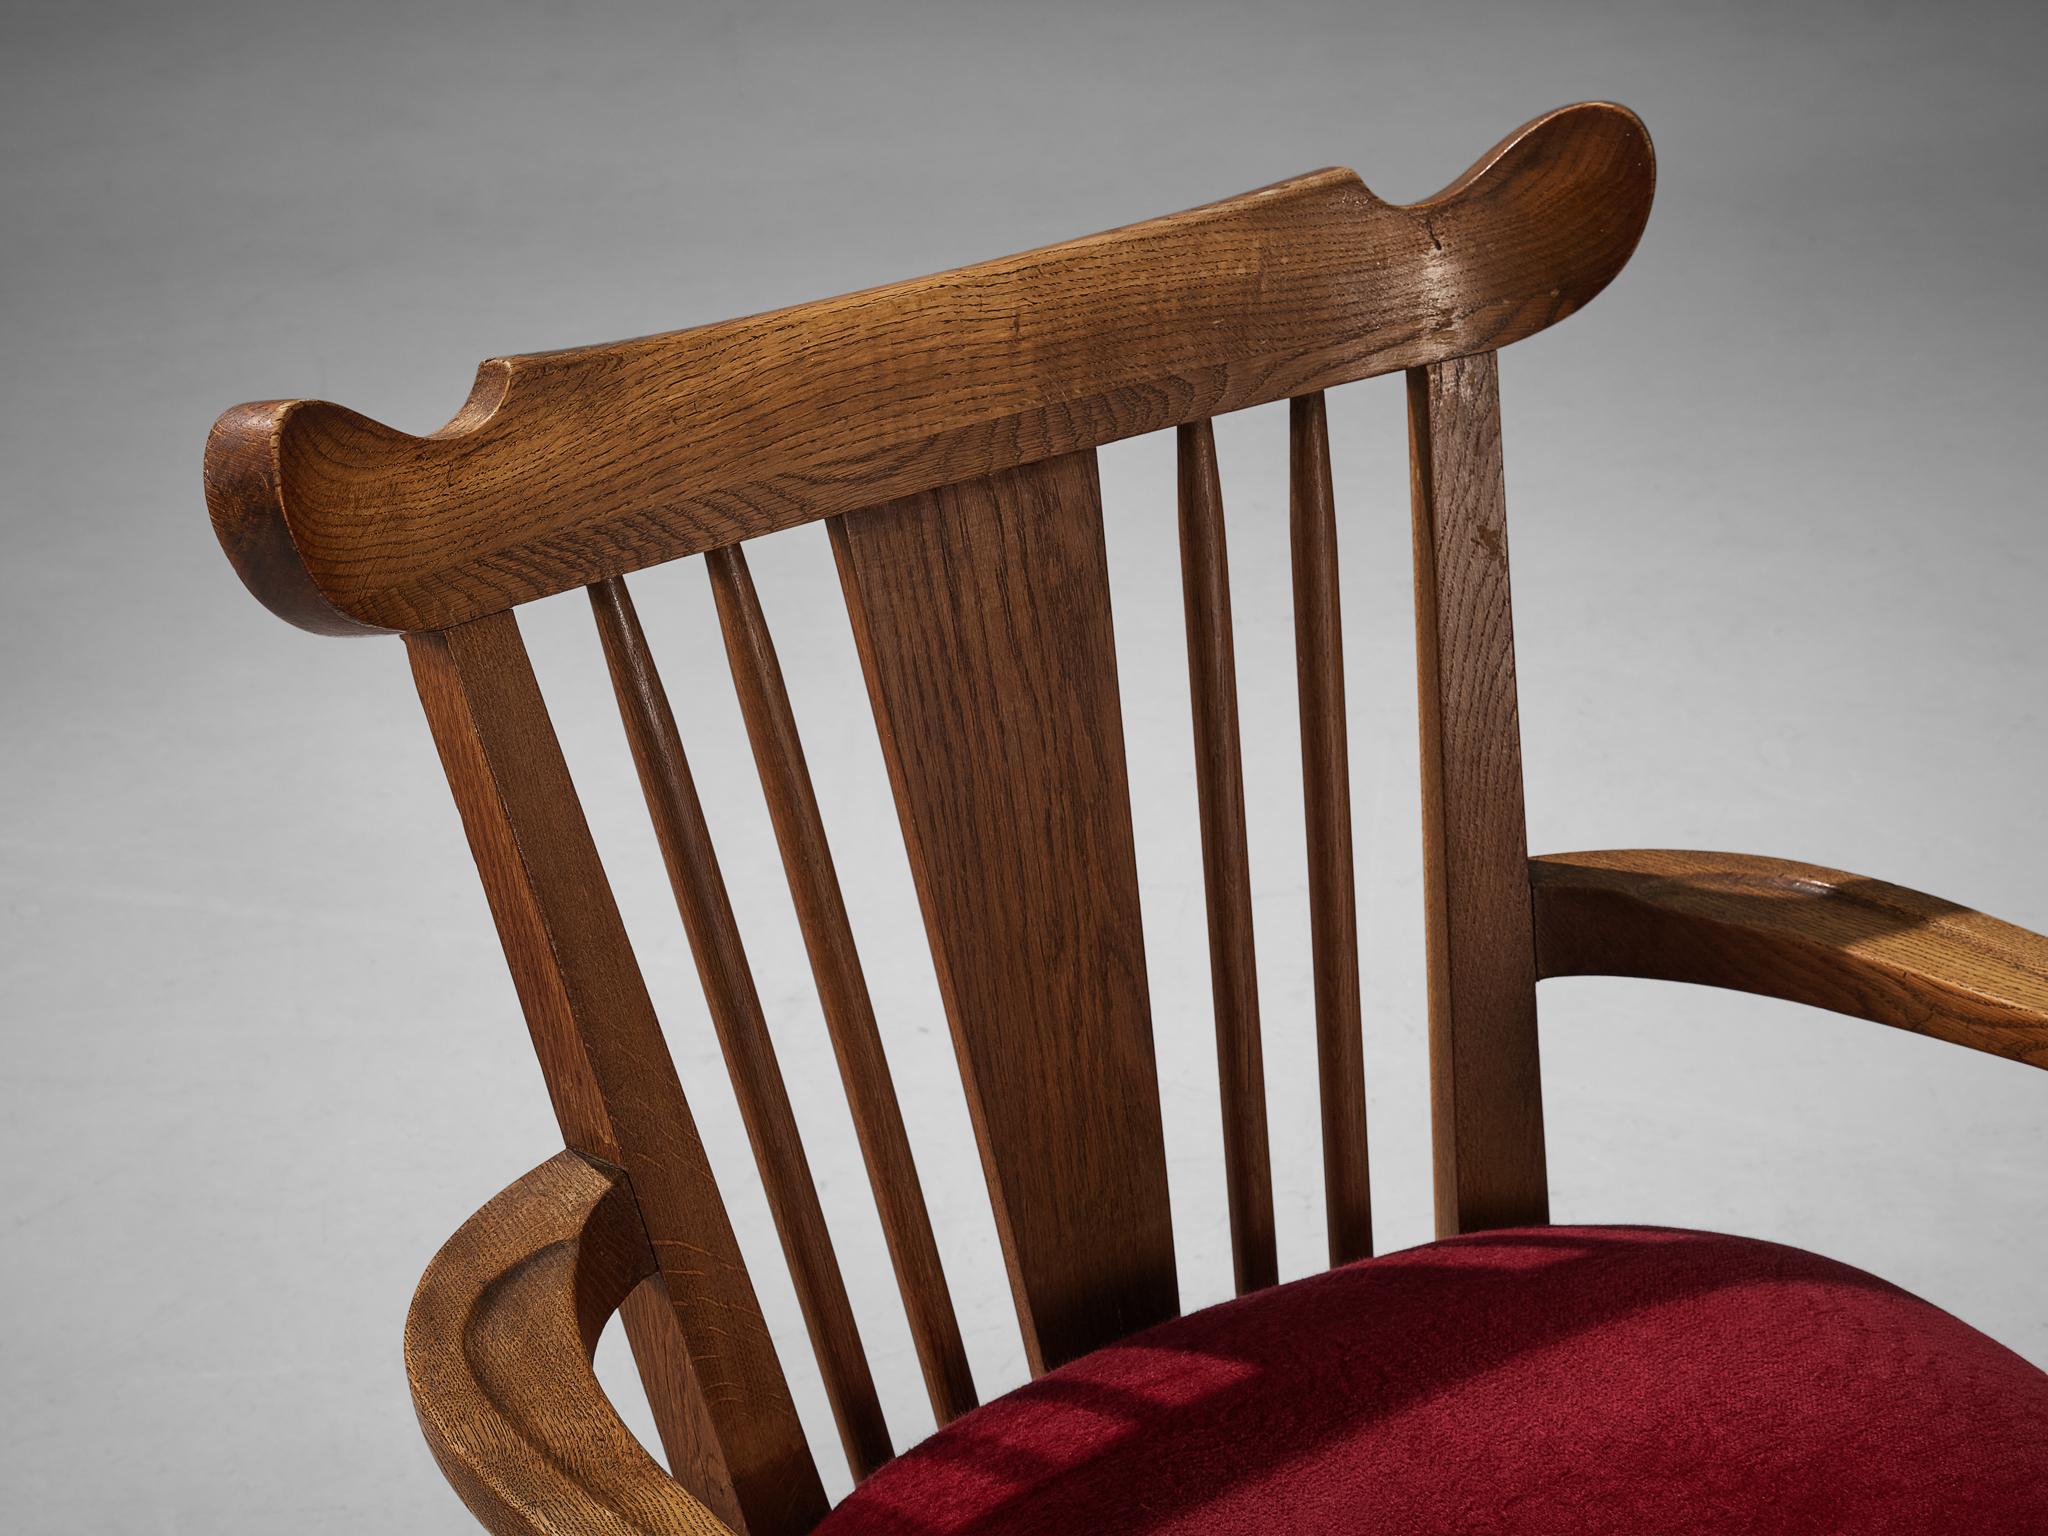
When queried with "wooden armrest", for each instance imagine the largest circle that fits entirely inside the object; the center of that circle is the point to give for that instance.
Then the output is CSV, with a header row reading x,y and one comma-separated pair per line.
x,y
1796,931
498,1346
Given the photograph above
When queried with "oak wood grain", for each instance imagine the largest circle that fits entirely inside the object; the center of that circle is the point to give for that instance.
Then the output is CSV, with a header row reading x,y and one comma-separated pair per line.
x,y
735,1006
1226,860
982,616
1326,806
1487,1095
689,1434
842,988
497,1352
602,1052
945,429
567,467
1812,935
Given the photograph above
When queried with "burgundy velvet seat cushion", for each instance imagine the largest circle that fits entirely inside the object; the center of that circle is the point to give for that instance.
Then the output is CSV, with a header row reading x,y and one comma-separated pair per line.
x,y
1549,1380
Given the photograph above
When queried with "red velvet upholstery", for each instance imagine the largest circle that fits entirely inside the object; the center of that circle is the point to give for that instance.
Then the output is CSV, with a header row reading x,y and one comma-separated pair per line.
x,y
1544,1382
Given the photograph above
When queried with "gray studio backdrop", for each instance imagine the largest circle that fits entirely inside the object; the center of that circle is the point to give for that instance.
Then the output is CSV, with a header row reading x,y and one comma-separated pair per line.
x,y
1780,554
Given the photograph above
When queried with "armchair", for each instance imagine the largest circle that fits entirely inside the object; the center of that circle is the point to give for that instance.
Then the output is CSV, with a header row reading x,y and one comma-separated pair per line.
x,y
1516,1376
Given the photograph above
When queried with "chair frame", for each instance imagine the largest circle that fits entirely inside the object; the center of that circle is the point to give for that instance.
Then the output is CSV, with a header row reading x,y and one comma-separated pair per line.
x,y
944,430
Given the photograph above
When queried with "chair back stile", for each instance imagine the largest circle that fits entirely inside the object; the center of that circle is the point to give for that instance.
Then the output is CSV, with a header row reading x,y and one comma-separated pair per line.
x,y
1487,1100
607,1065
944,431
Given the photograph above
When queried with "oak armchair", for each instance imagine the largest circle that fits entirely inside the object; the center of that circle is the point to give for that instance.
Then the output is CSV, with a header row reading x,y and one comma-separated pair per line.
x,y
1514,1376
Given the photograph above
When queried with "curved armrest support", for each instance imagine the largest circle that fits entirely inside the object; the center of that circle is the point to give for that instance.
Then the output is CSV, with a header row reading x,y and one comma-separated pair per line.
x,y
497,1348
1796,931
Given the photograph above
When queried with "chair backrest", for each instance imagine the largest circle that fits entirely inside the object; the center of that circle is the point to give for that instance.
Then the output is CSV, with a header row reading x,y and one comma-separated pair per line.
x,y
946,428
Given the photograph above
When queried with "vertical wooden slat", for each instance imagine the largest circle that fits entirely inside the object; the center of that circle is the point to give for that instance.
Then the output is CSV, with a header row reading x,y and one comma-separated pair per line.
x,y
1226,859
842,989
735,1007
1326,796
607,1066
981,611
1486,1095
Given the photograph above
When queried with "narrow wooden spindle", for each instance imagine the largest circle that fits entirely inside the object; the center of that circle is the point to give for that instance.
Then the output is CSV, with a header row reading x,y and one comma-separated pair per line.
x,y
742,1032
1326,792
842,989
1486,1099
1226,860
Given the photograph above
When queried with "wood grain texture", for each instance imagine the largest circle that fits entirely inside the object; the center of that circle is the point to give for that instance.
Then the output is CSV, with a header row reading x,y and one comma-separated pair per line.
x,y
945,429
689,1433
842,988
1837,941
1226,860
567,467
982,616
1326,805
497,1350
735,1006
1486,1091
601,1048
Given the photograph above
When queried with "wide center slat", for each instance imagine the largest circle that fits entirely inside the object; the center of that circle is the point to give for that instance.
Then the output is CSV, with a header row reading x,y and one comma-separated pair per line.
x,y
982,615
